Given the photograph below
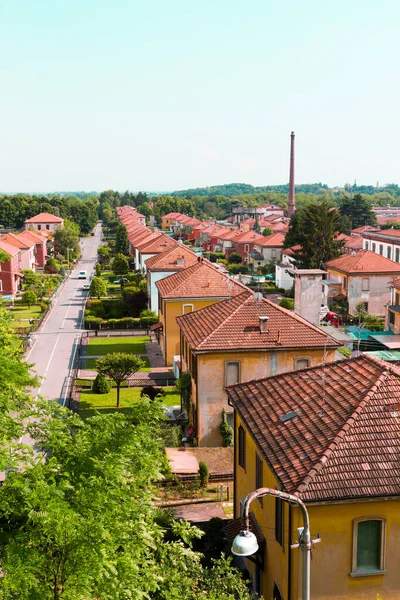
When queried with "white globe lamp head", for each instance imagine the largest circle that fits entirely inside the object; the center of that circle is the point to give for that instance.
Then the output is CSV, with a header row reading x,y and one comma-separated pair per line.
x,y
244,544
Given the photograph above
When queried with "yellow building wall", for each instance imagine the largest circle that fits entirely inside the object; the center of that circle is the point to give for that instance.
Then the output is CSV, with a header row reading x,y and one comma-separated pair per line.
x,y
170,310
211,381
339,277
331,563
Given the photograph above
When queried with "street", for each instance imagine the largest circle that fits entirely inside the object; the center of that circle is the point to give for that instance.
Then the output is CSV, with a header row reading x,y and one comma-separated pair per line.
x,y
55,343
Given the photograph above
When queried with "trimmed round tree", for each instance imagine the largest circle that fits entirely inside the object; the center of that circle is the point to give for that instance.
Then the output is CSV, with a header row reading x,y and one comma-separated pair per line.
x,y
98,287
118,366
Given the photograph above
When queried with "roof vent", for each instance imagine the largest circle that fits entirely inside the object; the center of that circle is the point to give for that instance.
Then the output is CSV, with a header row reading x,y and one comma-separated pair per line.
x,y
263,323
288,416
180,260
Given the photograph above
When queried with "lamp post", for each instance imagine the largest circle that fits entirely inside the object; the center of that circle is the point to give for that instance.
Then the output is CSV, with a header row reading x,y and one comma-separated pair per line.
x,y
245,544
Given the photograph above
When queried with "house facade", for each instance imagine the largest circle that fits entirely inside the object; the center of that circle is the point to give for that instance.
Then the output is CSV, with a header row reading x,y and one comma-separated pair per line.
x,y
44,221
186,291
267,250
329,435
240,339
157,245
364,277
40,251
165,264
244,244
26,247
10,270
385,243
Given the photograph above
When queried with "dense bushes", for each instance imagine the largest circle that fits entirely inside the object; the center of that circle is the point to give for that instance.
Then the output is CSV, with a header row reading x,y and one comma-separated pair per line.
x,y
124,323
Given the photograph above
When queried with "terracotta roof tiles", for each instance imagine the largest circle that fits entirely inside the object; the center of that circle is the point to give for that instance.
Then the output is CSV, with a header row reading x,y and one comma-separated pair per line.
x,y
273,240
173,259
44,217
234,324
363,262
328,432
158,244
202,280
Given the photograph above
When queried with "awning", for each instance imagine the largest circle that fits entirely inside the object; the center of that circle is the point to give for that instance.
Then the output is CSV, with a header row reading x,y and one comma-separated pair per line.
x,y
158,325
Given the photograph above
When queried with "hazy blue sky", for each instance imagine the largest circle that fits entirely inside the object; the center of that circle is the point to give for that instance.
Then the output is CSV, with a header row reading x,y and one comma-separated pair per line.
x,y
169,94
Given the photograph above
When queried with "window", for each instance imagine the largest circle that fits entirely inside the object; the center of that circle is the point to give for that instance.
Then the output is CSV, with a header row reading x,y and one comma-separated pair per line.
x,y
279,521
187,308
273,253
389,252
242,447
259,475
246,247
39,227
381,249
365,284
344,282
392,318
232,372
302,363
397,299
366,245
47,227
397,255
373,247
369,545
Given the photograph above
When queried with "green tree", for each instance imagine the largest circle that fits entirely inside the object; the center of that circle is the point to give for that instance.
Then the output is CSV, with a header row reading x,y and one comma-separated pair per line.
x,y
101,385
121,239
98,270
98,287
314,228
67,237
358,209
257,227
120,265
287,303
29,298
267,231
234,258
104,253
118,366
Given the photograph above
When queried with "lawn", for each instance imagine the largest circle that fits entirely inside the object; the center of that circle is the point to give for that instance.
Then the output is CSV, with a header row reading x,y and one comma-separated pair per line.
x,y
21,311
135,345
106,403
91,364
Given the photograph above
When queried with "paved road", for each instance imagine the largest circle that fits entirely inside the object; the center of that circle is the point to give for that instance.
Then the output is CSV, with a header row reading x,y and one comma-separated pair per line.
x,y
54,350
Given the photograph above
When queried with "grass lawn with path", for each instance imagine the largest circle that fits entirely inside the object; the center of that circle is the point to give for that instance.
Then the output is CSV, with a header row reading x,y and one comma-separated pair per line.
x,y
22,311
106,403
133,345
91,364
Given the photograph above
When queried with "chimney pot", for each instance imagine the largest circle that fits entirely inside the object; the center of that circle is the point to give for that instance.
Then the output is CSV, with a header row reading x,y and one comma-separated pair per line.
x,y
263,324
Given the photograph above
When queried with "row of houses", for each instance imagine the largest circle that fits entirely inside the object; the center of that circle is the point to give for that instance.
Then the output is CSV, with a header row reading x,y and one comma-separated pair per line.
x,y
325,431
26,250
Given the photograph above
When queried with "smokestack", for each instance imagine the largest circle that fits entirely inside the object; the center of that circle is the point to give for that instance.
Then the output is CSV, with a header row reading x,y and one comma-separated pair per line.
x,y
263,324
291,201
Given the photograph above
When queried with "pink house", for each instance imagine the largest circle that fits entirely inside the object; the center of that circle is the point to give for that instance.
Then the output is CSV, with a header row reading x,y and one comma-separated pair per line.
x,y
244,244
44,221
10,271
27,248
40,246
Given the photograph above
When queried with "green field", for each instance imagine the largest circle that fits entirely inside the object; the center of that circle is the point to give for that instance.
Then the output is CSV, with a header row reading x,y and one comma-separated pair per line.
x,y
106,403
134,344
91,364
21,311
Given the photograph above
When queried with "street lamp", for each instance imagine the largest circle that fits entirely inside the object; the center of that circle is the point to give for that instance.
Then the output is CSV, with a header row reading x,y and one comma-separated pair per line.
x,y
245,543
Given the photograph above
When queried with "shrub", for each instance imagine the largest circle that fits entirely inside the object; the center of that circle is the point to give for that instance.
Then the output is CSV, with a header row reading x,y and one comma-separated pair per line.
x,y
204,474
94,322
101,385
234,258
152,392
51,266
43,306
373,323
120,264
61,271
235,269
98,270
287,303
216,256
226,431
148,317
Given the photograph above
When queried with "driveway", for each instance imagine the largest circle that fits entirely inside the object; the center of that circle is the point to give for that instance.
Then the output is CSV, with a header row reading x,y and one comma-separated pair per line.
x,y
55,343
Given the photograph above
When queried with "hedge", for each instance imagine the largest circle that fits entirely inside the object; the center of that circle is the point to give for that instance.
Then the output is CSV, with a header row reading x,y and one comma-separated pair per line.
x,y
125,323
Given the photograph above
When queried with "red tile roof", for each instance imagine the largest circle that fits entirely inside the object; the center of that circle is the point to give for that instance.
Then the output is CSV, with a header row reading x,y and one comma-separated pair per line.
x,y
248,236
15,240
354,242
142,241
363,262
33,236
171,215
343,440
274,240
173,259
158,245
230,234
202,280
11,250
364,228
44,218
234,324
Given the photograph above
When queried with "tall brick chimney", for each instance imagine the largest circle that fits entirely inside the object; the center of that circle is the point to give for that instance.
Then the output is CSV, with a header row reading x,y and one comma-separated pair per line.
x,y
291,200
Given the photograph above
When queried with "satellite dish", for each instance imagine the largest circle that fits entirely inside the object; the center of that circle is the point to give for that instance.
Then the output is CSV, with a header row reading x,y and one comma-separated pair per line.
x,y
257,297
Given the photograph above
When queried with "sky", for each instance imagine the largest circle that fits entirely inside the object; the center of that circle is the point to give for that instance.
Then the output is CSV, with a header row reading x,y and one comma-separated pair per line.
x,y
161,95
